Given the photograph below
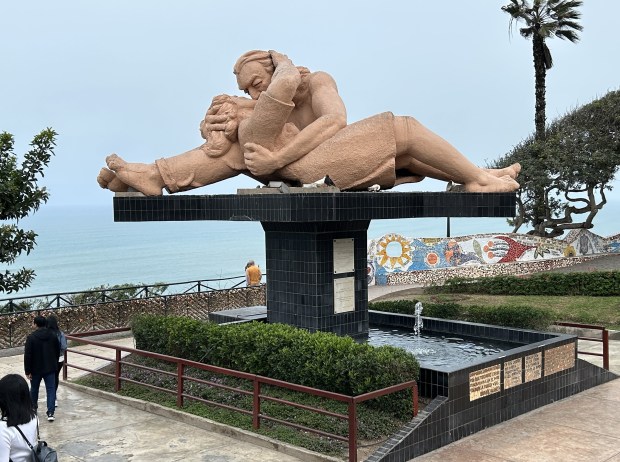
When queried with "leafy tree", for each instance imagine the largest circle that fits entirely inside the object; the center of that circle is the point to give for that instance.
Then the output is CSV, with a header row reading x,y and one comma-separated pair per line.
x,y
544,19
573,168
20,195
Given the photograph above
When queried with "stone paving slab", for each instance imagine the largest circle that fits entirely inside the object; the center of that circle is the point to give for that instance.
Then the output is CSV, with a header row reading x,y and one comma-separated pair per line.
x,y
584,427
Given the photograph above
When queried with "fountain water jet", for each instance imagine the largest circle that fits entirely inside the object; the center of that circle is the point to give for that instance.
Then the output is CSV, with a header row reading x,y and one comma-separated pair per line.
x,y
418,318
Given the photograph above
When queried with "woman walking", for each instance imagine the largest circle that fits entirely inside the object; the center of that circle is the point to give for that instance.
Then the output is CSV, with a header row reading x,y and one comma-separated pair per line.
x,y
52,324
19,420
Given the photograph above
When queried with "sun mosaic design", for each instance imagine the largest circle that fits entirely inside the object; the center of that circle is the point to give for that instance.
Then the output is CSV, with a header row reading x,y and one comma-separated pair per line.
x,y
394,250
393,253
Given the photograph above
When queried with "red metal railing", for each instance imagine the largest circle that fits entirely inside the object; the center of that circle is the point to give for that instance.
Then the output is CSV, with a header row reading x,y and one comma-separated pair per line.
x,y
604,339
258,381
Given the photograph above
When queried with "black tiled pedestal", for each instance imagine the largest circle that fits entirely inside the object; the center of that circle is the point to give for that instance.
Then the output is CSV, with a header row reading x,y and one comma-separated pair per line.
x,y
302,281
315,241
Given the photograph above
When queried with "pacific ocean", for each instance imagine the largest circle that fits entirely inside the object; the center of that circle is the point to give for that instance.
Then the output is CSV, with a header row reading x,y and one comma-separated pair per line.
x,y
81,247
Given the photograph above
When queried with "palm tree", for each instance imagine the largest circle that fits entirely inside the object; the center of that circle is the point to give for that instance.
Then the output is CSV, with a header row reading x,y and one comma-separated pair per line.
x,y
544,19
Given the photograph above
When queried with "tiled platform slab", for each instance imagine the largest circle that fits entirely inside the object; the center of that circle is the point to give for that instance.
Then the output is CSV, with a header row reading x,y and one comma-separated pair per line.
x,y
313,207
248,313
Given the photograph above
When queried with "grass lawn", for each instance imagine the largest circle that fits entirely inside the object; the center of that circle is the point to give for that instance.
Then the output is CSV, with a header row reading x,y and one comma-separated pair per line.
x,y
604,311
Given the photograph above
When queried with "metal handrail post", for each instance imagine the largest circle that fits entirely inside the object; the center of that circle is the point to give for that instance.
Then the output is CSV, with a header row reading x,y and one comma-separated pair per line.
x,y
117,371
606,349
64,367
352,431
180,383
256,405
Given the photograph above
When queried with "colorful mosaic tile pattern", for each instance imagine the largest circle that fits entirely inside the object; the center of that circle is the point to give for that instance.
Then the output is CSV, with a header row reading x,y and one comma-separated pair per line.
x,y
393,254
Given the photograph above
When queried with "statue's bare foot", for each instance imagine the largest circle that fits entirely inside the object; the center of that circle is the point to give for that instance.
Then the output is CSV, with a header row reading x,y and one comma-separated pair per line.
x,y
512,171
141,177
107,179
490,183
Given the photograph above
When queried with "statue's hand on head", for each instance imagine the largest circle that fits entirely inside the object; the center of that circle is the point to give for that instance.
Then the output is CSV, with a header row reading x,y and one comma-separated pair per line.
x,y
286,74
279,58
260,161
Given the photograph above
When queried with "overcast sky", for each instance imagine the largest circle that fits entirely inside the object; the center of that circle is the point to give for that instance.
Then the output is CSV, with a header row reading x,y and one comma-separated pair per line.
x,y
135,77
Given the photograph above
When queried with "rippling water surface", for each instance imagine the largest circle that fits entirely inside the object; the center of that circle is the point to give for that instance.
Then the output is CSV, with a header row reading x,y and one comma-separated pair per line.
x,y
434,351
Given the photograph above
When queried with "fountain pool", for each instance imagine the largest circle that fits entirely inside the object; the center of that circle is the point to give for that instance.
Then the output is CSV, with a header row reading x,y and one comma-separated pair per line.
x,y
494,374
435,350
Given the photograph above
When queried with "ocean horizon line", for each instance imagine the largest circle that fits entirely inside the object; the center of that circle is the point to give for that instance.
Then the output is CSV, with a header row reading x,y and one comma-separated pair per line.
x,y
81,247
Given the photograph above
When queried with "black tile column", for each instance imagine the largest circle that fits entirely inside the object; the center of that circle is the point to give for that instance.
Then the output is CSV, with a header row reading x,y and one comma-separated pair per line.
x,y
300,271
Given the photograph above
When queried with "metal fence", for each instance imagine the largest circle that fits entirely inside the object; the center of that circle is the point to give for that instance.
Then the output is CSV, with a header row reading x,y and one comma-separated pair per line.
x,y
116,293
258,394
106,309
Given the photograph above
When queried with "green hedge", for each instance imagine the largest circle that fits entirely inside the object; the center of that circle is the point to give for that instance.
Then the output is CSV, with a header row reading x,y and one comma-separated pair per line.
x,y
432,310
594,284
319,360
523,317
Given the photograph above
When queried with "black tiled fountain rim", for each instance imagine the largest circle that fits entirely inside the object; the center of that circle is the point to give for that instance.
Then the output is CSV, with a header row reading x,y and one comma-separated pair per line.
x,y
524,339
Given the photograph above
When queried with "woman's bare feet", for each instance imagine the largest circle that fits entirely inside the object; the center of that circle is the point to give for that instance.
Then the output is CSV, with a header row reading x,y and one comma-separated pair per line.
x,y
107,179
491,183
512,171
141,177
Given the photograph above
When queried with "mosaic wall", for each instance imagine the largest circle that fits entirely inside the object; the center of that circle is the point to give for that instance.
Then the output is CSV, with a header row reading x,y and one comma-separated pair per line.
x,y
392,258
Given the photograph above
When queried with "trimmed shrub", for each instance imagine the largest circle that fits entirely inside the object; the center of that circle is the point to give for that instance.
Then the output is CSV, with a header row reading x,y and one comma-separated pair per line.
x,y
523,317
395,306
432,310
593,284
319,360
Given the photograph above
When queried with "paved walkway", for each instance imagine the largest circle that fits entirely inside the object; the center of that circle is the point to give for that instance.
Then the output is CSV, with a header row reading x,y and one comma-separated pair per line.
x,y
582,428
94,426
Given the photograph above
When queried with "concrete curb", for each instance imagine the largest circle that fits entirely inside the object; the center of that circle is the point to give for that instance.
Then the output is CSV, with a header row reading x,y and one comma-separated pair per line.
x,y
206,424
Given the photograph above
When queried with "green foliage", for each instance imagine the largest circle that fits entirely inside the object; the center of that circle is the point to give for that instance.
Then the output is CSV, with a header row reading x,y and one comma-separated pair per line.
x,y
115,292
21,195
543,19
319,360
594,284
522,317
21,305
573,168
431,310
